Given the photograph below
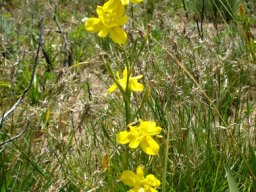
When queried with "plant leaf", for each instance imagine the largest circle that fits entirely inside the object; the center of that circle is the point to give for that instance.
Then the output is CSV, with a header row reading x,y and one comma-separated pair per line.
x,y
253,164
233,186
4,84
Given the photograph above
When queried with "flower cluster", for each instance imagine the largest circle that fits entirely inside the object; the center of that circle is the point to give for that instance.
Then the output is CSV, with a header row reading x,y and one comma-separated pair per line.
x,y
110,21
139,182
111,18
132,83
141,135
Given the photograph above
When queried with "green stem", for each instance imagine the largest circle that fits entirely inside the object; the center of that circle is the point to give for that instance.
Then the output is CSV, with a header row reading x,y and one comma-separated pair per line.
x,y
127,107
132,15
127,101
127,97
166,159
138,53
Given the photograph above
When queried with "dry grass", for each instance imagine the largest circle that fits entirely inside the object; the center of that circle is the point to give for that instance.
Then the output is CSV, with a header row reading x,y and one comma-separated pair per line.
x,y
71,121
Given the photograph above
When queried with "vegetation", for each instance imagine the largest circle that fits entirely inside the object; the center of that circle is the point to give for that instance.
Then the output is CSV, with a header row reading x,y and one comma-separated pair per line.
x,y
198,61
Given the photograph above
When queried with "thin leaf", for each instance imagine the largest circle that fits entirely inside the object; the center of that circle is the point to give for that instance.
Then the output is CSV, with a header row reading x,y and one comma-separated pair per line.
x,y
4,84
233,186
252,160
253,165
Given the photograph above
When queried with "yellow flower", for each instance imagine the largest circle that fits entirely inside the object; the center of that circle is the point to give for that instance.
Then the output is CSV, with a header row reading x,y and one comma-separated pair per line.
x,y
141,135
110,19
133,84
126,2
139,182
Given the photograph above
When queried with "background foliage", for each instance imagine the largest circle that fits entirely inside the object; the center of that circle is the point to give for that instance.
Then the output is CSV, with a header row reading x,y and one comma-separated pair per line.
x,y
70,120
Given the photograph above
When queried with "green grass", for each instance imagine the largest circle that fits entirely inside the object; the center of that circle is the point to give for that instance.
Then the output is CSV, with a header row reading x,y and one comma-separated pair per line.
x,y
200,91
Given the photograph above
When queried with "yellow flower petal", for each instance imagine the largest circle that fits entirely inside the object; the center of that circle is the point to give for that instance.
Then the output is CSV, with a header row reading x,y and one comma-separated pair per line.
x,y
133,81
112,5
129,178
150,189
121,21
123,137
103,32
149,146
137,77
133,190
93,24
123,83
100,11
135,142
138,182
154,131
150,127
118,35
152,181
140,172
125,72
135,86
125,2
112,88
120,10
136,1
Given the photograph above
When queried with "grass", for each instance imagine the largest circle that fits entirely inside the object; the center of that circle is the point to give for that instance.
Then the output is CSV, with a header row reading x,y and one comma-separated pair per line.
x,y
199,89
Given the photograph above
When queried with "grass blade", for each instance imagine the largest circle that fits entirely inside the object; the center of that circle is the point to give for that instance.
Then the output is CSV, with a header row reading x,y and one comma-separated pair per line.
x,y
232,184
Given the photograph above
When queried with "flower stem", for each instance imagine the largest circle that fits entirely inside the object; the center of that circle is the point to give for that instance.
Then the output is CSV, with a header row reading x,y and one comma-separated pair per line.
x,y
127,101
166,158
127,108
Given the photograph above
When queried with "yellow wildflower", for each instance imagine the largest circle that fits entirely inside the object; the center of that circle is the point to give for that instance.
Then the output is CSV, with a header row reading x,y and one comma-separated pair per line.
x,y
141,135
133,84
110,19
139,182
126,2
